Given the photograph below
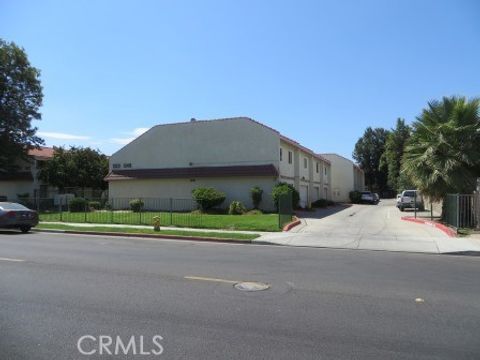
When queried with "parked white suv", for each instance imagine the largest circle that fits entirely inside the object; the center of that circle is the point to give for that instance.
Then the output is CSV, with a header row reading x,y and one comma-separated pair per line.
x,y
411,199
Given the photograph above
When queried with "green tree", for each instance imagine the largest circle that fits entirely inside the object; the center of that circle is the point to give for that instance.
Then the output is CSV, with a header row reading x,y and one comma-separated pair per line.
x,y
76,167
283,188
368,152
20,99
391,160
443,153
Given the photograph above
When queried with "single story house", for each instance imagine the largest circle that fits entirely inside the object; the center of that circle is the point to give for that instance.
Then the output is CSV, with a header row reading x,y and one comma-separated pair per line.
x,y
346,176
231,155
24,181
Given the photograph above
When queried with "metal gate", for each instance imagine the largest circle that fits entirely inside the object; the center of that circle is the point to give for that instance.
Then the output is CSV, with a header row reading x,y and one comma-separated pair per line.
x,y
463,210
285,209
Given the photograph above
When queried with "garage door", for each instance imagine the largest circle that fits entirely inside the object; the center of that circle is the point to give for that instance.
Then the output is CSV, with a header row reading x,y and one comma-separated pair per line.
x,y
303,196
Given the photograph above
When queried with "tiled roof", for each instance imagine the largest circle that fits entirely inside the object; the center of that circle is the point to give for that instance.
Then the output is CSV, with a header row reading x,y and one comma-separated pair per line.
x,y
193,172
16,176
43,152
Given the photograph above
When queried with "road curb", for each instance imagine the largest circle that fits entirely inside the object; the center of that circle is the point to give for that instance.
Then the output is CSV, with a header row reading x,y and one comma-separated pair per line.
x,y
148,236
291,225
447,230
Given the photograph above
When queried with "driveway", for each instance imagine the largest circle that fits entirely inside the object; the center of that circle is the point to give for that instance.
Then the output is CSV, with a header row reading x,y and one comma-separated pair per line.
x,y
369,227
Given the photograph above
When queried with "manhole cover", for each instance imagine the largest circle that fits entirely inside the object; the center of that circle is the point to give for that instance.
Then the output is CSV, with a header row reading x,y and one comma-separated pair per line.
x,y
251,286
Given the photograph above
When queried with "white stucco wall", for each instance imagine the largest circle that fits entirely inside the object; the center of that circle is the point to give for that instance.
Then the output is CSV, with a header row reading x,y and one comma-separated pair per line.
x,y
201,143
234,188
287,170
10,189
342,177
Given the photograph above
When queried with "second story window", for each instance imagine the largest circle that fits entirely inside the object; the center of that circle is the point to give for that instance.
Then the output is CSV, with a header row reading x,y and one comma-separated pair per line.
x,y
127,165
290,157
317,167
305,163
281,154
116,166
325,172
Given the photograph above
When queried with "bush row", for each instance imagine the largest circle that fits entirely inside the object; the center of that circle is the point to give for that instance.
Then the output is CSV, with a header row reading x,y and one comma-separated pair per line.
x,y
207,199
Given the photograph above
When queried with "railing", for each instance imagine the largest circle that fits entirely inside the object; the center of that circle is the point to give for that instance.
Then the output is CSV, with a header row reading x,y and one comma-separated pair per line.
x,y
171,212
285,209
463,210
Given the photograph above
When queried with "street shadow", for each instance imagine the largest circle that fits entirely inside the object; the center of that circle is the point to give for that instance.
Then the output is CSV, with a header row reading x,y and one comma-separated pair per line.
x,y
10,232
321,213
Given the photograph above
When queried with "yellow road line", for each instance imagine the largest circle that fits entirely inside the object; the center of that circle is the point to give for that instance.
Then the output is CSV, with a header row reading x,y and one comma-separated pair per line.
x,y
201,278
12,260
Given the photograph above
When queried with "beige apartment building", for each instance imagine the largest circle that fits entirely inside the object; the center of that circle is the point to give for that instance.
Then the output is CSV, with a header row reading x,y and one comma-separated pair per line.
x,y
24,181
346,177
231,155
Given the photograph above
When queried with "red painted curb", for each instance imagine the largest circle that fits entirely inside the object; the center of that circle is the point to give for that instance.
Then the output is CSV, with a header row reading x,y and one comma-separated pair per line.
x,y
291,225
149,236
447,230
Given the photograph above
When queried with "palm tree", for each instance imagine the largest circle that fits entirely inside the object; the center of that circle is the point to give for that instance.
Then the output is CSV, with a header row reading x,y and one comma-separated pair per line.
x,y
443,154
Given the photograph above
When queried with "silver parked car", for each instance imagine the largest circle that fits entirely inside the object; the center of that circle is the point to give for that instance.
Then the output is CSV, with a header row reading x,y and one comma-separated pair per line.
x,y
368,197
17,216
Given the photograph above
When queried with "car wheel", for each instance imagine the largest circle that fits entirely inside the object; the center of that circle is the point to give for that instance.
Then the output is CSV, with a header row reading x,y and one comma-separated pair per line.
x,y
25,229
401,208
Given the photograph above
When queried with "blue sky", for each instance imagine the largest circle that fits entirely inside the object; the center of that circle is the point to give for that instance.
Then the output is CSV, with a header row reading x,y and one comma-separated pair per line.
x,y
319,72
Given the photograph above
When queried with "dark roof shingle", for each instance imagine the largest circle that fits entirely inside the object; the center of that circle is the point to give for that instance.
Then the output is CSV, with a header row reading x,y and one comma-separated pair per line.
x,y
193,172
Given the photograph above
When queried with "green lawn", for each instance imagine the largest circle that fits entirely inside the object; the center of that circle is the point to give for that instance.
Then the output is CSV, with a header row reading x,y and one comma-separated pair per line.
x,y
213,235
262,222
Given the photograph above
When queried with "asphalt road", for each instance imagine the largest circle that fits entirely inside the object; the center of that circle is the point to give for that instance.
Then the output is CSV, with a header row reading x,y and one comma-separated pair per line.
x,y
322,304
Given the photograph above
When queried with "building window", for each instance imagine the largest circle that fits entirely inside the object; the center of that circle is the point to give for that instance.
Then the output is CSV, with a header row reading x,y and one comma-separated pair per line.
x,y
281,157
290,156
305,163
127,165
325,172
317,167
116,166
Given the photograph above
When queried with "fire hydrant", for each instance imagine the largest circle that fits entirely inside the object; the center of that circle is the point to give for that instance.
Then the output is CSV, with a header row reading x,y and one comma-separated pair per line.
x,y
156,223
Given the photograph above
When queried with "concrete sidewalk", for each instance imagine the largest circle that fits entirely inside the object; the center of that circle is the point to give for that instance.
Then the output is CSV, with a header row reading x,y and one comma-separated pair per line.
x,y
369,227
90,225
375,242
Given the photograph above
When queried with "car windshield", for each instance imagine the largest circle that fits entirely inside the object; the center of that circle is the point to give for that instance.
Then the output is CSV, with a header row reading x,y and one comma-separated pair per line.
x,y
410,193
12,206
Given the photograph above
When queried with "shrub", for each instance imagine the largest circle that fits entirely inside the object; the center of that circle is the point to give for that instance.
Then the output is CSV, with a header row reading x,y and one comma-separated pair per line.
x,y
330,202
355,197
320,203
256,194
94,205
236,208
136,205
208,198
78,204
284,188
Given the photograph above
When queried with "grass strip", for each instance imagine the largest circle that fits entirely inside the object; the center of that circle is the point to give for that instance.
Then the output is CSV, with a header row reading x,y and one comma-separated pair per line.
x,y
213,235
261,222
